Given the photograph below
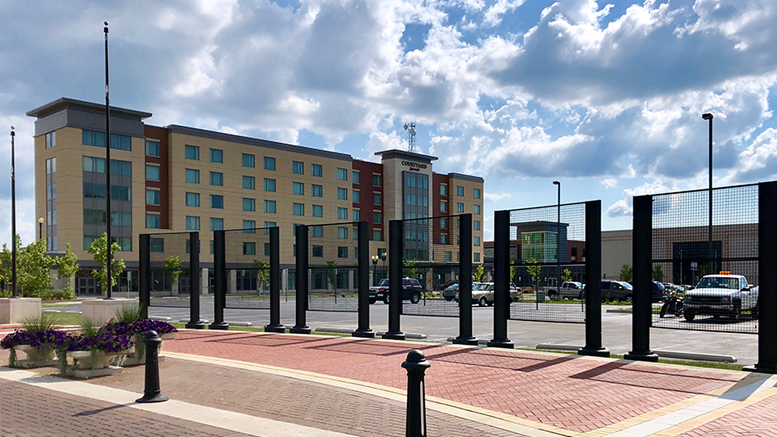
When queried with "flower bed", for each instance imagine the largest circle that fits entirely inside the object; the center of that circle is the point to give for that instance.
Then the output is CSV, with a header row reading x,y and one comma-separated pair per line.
x,y
138,329
38,347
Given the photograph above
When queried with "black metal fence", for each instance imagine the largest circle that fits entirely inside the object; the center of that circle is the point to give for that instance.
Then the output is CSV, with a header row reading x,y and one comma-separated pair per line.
x,y
710,268
333,264
247,268
547,263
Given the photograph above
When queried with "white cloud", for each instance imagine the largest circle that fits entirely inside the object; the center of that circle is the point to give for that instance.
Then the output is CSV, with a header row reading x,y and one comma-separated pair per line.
x,y
609,183
495,197
620,208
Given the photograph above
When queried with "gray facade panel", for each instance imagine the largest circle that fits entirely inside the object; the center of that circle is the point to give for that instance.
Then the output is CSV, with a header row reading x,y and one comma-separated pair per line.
x,y
88,120
50,123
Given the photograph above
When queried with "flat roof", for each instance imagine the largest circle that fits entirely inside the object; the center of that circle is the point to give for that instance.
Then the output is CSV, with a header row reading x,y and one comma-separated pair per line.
x,y
466,177
396,153
66,102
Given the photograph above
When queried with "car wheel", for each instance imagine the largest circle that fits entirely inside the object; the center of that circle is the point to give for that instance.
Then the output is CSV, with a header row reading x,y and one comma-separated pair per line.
x,y
415,298
373,300
386,299
628,298
449,299
552,295
482,302
664,308
689,316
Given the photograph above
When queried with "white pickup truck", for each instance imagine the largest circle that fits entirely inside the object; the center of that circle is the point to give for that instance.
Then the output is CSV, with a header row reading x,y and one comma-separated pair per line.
x,y
721,295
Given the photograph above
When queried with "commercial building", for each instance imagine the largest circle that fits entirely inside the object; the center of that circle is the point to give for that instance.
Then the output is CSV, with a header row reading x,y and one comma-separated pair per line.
x,y
177,178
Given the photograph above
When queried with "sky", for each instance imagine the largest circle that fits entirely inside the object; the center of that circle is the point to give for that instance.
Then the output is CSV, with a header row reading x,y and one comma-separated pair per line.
x,y
605,97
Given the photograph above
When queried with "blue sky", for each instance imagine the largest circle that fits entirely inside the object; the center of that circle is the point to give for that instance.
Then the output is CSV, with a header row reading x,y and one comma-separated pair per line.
x,y
605,97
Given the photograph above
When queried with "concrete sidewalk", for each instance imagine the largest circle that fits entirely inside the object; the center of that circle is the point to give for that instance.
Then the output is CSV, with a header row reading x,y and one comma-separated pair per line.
x,y
243,383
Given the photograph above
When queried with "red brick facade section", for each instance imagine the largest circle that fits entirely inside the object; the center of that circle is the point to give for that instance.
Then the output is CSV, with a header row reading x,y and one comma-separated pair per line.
x,y
365,206
163,185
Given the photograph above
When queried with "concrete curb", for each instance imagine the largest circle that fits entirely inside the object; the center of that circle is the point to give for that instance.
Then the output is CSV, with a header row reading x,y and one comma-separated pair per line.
x,y
662,354
377,334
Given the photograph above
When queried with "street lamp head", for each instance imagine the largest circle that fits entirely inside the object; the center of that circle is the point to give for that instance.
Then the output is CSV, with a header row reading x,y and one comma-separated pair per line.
x,y
40,220
557,183
707,116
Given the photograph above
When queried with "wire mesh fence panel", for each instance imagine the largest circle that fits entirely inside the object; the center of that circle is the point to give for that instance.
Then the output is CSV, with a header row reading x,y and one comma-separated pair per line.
x,y
333,260
431,259
247,261
170,276
547,264
706,274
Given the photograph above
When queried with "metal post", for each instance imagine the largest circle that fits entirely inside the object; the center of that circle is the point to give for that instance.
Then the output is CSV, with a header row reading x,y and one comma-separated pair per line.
x,y
152,392
364,282
13,215
275,282
301,297
558,241
708,116
642,254
501,279
108,241
767,278
465,282
144,274
593,290
395,280
194,281
416,365
220,280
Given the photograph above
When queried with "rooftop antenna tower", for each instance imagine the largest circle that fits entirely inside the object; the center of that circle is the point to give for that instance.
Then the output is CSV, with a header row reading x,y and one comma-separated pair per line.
x,y
410,128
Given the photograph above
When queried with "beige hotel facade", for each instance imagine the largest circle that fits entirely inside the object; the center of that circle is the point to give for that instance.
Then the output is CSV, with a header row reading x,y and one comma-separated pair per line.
x,y
177,179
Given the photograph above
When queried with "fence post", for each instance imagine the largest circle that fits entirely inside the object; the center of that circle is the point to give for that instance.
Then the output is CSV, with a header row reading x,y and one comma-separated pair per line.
x,y
593,289
767,278
364,282
501,279
642,255
220,280
415,418
275,282
395,254
144,275
194,288
465,282
301,294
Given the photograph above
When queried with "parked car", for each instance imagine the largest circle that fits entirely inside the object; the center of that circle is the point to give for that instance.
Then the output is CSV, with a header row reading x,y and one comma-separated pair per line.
x,y
617,290
450,292
448,284
721,295
483,293
571,290
411,290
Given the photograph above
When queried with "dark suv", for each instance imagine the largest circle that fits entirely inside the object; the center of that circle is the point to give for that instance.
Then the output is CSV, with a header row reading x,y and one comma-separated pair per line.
x,y
411,290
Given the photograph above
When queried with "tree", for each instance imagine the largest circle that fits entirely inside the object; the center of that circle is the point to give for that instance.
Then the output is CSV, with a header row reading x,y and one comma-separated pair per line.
x,y
173,266
567,276
33,268
627,272
99,250
409,269
534,270
479,273
262,273
330,274
658,273
68,267
513,270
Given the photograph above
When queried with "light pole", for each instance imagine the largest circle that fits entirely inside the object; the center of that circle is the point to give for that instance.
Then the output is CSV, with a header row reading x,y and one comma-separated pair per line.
x,y
708,116
383,257
558,240
40,228
108,257
13,215
374,264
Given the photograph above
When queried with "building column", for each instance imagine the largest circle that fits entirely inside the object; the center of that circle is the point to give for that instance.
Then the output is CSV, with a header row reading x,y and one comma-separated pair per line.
x,y
204,285
350,281
232,285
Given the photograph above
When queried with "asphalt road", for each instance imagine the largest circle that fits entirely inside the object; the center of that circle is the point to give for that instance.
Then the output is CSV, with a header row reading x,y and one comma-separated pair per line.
x,y
616,328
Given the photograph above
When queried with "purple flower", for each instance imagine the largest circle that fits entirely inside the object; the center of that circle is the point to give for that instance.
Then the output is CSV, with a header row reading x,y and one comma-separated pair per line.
x,y
35,339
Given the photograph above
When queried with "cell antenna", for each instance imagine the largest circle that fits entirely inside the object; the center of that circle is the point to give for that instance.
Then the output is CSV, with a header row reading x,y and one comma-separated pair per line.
x,y
410,128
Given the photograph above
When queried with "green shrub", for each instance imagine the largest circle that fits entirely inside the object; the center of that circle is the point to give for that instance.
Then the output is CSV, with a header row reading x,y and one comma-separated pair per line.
x,y
40,323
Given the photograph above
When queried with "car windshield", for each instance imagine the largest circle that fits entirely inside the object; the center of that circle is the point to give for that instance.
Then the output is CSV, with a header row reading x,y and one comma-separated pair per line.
x,y
718,282
479,286
627,286
383,282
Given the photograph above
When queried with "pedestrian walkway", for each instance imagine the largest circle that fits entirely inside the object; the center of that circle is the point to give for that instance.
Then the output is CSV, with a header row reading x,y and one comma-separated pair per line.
x,y
244,383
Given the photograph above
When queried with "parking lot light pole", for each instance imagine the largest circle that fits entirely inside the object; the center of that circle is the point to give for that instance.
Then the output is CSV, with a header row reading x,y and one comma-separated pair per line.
x,y
13,215
708,116
108,241
374,266
558,240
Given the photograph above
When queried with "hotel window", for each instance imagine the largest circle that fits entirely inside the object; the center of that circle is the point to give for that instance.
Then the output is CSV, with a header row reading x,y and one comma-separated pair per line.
x,y
377,217
152,173
459,207
318,211
376,180
268,225
269,206
342,174
297,167
298,188
249,160
317,231
193,199
217,179
192,176
249,183
216,201
152,148
355,177
156,245
249,205
377,235
123,168
192,223
356,215
152,197
249,248
476,257
443,190
342,213
152,221
95,165
355,196
316,170
97,139
342,252
476,225
317,251
448,256
317,191
51,139
444,239
476,193
443,223
476,241
444,206
269,185
342,194
342,233
459,191
216,224
269,163
377,198
217,156
249,226
192,152
476,209
298,209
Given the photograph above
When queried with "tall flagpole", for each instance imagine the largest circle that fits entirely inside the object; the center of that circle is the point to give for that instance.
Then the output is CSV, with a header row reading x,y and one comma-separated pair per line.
x,y
108,257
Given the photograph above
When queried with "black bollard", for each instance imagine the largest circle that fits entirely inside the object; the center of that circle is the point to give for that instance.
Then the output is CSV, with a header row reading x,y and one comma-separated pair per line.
x,y
152,393
416,365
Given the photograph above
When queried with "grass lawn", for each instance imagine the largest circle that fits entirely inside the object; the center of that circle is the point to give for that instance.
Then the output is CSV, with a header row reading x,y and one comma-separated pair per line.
x,y
64,318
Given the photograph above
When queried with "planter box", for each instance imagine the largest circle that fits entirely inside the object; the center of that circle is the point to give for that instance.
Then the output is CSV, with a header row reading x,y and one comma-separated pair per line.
x,y
82,364
34,358
135,359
